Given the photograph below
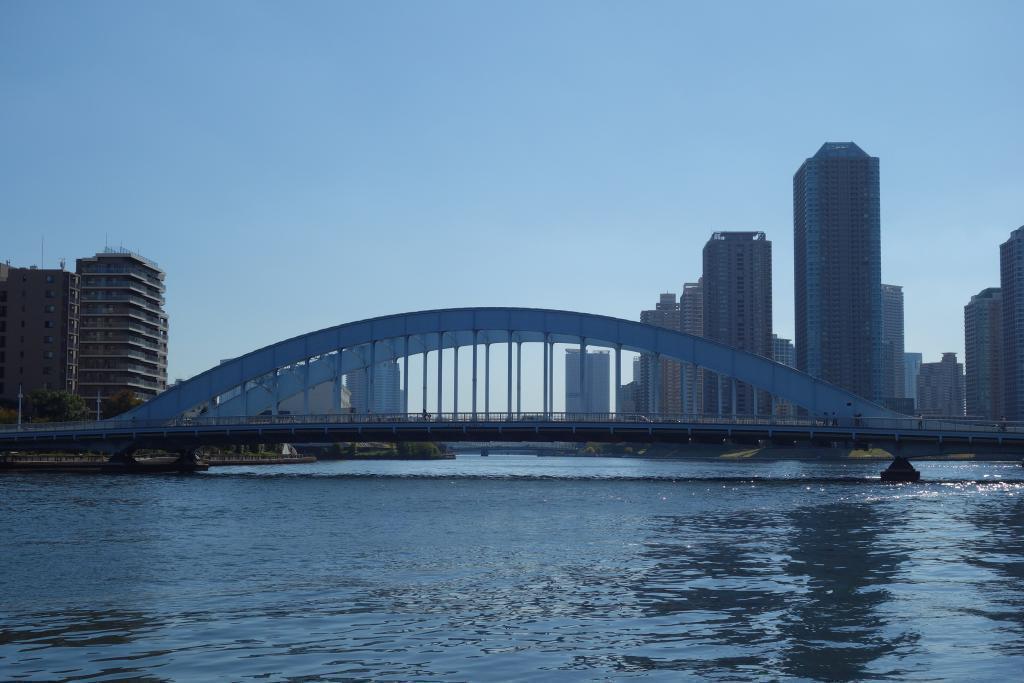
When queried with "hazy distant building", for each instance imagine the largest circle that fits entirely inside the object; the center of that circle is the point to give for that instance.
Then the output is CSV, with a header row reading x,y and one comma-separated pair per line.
x,y
667,383
388,397
625,401
1011,275
940,388
892,342
911,367
595,396
783,351
838,268
737,311
983,341
123,341
324,399
691,321
38,330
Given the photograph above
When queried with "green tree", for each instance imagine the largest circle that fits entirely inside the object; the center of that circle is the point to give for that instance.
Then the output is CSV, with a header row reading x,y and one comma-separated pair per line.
x,y
119,403
8,416
55,405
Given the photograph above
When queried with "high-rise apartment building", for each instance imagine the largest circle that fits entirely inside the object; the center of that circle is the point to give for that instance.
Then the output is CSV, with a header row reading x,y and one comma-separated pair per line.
x,y
983,341
892,342
838,268
911,368
940,388
39,322
596,394
667,384
691,321
123,341
738,312
388,397
1011,275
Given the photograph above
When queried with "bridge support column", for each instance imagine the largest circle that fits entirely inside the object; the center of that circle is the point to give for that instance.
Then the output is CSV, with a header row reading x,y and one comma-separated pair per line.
x,y
305,387
370,376
732,395
508,376
405,375
584,408
545,406
487,379
618,376
424,387
440,377
474,384
455,388
519,378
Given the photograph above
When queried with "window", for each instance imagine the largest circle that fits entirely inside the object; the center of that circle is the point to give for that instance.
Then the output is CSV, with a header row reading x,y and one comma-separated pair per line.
x,y
48,324
47,370
48,339
47,354
49,308
49,278
49,294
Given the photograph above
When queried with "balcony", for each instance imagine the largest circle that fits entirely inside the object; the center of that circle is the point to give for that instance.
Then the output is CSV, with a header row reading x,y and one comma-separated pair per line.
x,y
91,296
111,283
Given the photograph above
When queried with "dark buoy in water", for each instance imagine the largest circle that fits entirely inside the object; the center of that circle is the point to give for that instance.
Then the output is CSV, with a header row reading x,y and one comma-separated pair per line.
x,y
901,470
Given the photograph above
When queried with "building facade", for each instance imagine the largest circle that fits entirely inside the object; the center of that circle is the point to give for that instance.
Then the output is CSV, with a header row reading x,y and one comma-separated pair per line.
x,y
940,388
595,396
388,397
738,312
691,320
892,342
783,351
838,268
123,340
1011,276
667,382
983,342
39,328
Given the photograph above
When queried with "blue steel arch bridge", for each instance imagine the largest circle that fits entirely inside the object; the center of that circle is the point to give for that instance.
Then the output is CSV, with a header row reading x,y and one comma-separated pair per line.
x,y
239,400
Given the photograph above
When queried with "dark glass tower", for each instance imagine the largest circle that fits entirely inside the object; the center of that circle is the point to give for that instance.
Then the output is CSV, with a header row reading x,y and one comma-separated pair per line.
x,y
1011,271
838,268
738,311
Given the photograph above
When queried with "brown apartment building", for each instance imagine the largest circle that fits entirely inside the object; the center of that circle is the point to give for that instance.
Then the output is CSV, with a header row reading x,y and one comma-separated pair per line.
x,y
39,312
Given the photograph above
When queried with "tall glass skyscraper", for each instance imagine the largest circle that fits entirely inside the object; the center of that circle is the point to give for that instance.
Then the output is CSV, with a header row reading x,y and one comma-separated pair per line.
x,y
1011,275
838,268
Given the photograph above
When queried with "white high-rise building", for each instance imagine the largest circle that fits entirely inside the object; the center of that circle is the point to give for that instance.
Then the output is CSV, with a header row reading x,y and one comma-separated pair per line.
x,y
388,396
595,397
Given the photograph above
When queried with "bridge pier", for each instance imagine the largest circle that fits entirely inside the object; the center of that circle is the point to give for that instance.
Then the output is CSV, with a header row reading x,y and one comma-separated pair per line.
x,y
900,470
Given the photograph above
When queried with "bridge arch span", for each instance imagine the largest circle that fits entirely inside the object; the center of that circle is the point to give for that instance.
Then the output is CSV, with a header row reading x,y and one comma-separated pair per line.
x,y
241,386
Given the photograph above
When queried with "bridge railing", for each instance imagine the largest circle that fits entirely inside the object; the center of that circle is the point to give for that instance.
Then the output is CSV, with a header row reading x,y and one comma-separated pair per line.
x,y
825,423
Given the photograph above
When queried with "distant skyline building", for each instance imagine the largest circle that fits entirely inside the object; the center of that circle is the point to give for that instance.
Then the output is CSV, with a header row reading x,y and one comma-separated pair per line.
x,y
596,394
691,321
911,367
838,268
123,340
39,320
783,351
388,397
667,382
892,342
1011,277
983,361
737,284
940,388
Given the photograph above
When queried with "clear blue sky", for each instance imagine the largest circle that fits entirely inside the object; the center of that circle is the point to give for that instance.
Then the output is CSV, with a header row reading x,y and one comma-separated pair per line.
x,y
298,165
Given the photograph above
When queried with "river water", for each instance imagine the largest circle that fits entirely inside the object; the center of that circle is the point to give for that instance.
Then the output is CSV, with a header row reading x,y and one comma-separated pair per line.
x,y
515,568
